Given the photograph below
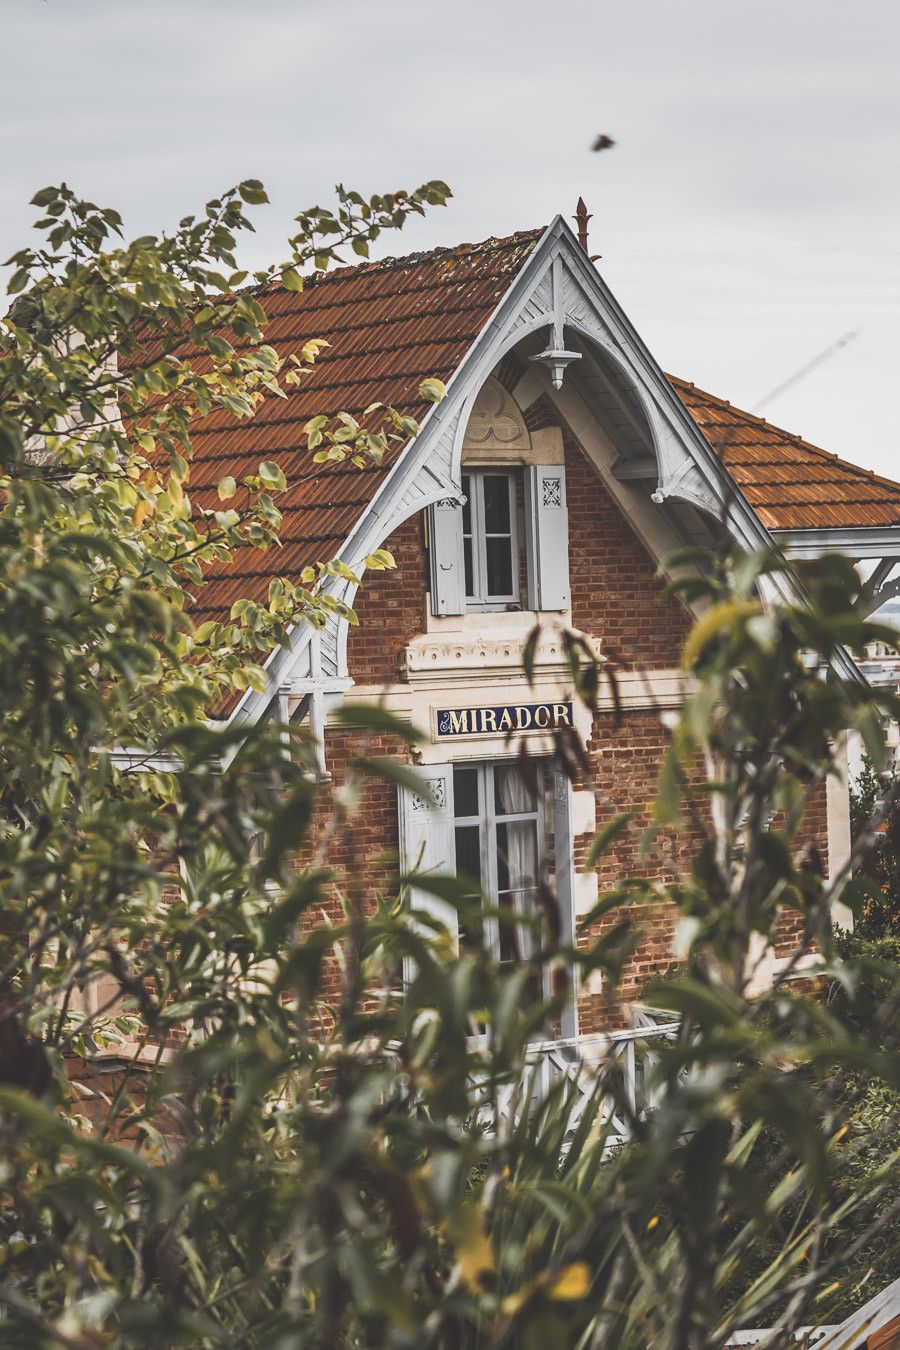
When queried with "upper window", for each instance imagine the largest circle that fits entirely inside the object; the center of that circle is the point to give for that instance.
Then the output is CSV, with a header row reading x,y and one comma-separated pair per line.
x,y
481,558
490,540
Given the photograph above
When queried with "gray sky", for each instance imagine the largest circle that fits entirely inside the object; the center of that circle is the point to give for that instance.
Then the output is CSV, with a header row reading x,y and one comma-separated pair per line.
x,y
749,214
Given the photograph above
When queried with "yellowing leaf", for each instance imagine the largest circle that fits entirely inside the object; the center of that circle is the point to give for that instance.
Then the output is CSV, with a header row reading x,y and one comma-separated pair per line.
x,y
573,1282
432,390
310,350
176,491
719,620
514,1303
473,1247
227,488
381,560
141,512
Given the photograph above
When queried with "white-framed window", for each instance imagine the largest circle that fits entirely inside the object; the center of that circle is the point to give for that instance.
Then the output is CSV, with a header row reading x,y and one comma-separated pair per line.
x,y
502,837
483,819
475,544
490,539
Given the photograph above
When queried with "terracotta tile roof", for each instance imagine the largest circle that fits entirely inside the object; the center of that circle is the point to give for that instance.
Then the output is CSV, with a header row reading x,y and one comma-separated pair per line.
x,y
790,484
390,324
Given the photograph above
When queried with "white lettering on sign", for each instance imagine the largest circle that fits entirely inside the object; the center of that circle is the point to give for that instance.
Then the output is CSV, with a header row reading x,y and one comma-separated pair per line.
x,y
503,719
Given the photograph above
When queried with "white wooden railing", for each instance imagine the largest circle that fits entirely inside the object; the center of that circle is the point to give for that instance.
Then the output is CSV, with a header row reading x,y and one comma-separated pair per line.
x,y
585,1061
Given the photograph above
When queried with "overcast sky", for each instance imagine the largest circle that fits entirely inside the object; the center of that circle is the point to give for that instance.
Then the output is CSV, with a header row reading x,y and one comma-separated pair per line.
x,y
748,216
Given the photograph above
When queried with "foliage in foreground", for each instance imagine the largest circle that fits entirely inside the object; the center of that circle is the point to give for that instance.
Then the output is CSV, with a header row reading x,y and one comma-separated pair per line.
x,y
868,1106
281,1173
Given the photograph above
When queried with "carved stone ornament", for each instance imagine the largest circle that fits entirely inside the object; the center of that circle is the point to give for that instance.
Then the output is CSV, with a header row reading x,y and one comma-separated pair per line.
x,y
496,422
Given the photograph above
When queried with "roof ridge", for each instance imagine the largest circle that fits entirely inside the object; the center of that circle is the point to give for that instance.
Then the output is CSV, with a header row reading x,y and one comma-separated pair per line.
x,y
493,244
755,420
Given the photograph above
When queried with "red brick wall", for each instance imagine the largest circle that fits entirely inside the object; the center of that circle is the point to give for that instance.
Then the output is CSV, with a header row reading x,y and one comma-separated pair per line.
x,y
616,594
363,854
624,765
390,607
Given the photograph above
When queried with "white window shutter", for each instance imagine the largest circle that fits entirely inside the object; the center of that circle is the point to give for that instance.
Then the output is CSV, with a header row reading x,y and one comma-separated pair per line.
x,y
564,870
426,837
448,577
547,535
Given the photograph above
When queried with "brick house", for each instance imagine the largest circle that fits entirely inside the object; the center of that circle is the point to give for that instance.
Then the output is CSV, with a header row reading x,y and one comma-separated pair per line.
x,y
562,466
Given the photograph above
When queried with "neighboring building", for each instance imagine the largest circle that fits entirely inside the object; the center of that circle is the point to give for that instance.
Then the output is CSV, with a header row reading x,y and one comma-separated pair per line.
x,y
882,669
560,469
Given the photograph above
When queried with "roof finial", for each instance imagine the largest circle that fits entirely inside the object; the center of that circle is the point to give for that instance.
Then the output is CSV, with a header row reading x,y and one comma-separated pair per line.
x,y
581,218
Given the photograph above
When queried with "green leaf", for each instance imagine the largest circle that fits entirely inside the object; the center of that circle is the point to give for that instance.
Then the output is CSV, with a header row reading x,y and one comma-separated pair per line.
x,y
301,897
529,651
286,833
371,717
716,623
253,192
393,771
704,1005
227,488
606,836
271,474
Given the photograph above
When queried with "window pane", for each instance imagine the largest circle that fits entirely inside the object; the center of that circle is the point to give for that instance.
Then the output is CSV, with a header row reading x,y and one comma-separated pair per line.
x,y
499,566
468,851
517,856
467,561
511,945
512,794
467,507
468,861
465,793
496,503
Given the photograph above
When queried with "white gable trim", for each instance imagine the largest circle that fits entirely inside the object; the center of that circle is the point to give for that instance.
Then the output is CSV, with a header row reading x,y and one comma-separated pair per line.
x,y
871,541
556,288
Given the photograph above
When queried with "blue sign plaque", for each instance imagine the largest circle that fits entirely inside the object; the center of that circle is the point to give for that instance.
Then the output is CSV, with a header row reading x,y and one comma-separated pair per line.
x,y
504,719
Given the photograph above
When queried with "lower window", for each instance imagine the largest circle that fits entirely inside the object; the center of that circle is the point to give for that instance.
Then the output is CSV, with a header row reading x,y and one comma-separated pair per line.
x,y
502,834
